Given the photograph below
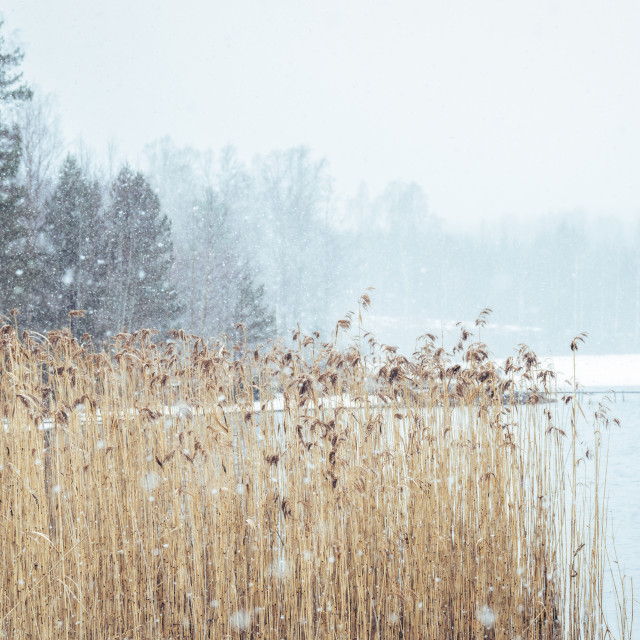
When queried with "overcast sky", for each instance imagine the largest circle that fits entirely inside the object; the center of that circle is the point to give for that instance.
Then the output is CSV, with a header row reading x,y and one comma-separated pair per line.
x,y
493,107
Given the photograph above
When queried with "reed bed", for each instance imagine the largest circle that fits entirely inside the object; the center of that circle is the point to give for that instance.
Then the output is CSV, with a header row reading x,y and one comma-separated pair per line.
x,y
188,489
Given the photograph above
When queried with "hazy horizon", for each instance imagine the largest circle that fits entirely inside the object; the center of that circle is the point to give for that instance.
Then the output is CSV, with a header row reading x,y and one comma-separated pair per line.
x,y
494,110
458,157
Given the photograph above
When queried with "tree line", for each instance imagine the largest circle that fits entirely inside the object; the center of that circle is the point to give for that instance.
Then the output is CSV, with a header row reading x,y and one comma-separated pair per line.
x,y
77,241
204,241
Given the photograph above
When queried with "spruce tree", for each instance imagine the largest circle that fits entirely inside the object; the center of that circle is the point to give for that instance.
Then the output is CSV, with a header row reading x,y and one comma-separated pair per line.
x,y
223,291
251,309
17,270
141,293
75,257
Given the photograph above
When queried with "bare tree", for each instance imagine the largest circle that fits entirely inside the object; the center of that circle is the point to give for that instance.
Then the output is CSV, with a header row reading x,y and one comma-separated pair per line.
x,y
291,199
42,148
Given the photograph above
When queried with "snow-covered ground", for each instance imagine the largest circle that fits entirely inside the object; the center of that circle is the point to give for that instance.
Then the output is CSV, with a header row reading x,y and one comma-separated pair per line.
x,y
603,372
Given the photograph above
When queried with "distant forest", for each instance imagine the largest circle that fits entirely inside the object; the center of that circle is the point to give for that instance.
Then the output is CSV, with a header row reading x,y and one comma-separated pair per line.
x,y
202,241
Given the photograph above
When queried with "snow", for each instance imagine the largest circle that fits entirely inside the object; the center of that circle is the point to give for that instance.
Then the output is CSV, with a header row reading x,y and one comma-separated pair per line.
x,y
486,616
68,277
603,371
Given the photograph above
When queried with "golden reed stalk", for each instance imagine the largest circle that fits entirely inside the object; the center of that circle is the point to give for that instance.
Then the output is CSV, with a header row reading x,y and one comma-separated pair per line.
x,y
191,490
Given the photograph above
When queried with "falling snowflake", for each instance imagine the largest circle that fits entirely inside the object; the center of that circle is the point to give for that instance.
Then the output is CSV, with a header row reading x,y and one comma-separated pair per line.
x,y
240,620
150,481
68,277
486,616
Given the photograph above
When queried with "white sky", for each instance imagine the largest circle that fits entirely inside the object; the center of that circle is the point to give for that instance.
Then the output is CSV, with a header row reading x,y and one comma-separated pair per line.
x,y
494,107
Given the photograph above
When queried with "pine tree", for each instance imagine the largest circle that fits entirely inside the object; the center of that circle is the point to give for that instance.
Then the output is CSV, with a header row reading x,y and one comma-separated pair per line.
x,y
222,290
73,264
17,270
140,258
251,309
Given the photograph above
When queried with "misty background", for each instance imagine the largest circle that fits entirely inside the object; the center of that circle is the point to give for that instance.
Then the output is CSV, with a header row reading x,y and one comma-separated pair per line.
x,y
201,165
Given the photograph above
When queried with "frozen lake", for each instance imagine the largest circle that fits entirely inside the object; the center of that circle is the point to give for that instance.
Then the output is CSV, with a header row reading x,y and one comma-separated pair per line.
x,y
623,485
618,378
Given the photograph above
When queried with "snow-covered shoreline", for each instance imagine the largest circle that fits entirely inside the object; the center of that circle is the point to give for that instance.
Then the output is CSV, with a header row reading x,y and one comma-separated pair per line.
x,y
619,371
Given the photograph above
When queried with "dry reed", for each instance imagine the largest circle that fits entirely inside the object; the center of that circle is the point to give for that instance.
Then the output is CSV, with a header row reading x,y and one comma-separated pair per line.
x,y
194,490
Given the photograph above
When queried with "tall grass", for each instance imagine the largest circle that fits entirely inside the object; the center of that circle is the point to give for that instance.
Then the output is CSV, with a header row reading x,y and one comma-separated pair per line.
x,y
195,490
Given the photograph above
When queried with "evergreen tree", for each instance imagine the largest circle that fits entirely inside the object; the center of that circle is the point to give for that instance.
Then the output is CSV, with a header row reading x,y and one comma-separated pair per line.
x,y
221,281
140,258
209,198
17,270
74,263
251,309
212,266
